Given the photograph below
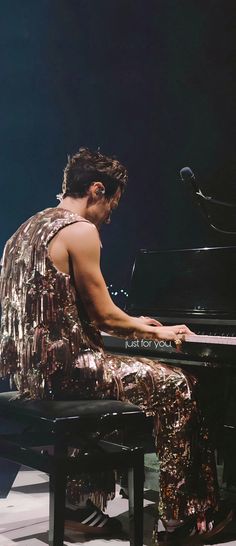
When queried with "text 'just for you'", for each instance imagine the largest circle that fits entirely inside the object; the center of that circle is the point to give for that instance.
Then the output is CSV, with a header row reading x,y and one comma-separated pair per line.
x,y
146,344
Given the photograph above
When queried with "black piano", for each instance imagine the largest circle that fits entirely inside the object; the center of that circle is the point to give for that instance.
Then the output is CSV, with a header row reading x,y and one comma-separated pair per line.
x,y
196,287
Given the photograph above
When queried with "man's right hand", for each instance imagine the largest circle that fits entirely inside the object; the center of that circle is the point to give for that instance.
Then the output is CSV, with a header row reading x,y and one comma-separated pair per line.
x,y
173,333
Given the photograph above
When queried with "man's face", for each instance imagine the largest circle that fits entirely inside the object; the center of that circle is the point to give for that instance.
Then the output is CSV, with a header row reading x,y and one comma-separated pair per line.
x,y
102,210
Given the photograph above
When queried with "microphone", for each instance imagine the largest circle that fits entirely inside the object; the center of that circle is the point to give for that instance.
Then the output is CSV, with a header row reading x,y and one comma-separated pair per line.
x,y
205,202
187,175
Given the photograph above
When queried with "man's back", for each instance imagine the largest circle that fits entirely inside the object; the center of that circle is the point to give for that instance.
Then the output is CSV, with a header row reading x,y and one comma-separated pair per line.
x,y
44,328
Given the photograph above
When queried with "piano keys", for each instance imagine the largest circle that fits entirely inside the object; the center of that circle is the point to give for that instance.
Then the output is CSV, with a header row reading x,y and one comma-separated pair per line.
x,y
204,351
212,340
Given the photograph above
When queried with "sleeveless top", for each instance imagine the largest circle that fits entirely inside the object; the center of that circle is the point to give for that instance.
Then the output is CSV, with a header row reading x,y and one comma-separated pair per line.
x,y
44,325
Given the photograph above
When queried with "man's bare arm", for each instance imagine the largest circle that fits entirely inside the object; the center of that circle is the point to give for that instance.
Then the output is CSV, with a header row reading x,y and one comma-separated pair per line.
x,y
83,245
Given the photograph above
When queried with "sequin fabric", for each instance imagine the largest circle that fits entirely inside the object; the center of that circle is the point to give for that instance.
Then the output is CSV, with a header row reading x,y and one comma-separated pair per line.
x,y
188,481
54,351
44,328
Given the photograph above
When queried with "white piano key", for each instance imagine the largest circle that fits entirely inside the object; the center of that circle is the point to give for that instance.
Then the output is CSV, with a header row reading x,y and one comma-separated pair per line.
x,y
215,340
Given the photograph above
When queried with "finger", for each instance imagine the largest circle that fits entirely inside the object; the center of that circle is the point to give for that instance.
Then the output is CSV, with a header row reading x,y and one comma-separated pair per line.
x,y
151,321
182,329
187,329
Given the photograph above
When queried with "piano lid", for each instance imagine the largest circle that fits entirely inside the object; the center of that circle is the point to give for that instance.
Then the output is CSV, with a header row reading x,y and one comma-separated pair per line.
x,y
185,283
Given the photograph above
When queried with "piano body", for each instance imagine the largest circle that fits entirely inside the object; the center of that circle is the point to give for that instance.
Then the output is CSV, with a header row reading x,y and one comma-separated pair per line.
x,y
196,287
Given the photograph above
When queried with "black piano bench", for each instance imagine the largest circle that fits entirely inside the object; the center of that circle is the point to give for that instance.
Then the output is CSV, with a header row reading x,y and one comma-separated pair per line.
x,y
55,425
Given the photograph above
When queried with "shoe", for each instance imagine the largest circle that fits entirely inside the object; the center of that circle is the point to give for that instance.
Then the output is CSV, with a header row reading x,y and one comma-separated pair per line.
x,y
90,520
123,493
191,532
217,522
177,537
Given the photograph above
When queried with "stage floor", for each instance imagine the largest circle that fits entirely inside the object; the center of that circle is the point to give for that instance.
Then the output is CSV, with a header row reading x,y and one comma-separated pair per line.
x,y
24,515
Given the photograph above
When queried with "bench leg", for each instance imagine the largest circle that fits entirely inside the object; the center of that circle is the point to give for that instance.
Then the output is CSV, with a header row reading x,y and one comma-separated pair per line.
x,y
8,468
135,484
8,473
57,489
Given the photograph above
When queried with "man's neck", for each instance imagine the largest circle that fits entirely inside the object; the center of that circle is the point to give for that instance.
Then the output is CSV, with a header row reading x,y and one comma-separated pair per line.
x,y
79,206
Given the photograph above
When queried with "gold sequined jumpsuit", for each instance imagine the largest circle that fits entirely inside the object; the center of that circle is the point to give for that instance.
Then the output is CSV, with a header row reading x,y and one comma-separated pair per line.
x,y
49,344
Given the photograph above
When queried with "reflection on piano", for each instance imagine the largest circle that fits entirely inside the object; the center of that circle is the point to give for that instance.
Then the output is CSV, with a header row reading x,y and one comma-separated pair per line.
x,y
196,287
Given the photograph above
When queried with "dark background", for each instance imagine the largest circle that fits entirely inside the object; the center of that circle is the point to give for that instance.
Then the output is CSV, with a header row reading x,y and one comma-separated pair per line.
x,y
152,82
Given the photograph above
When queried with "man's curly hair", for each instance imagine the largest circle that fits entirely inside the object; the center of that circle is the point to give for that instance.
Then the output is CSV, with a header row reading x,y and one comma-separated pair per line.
x,y
86,167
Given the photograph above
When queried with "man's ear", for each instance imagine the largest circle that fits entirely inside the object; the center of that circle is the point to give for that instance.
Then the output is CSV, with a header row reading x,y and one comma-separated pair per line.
x,y
97,188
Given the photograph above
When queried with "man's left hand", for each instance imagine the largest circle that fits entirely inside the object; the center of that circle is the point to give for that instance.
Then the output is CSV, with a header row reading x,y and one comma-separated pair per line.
x,y
149,321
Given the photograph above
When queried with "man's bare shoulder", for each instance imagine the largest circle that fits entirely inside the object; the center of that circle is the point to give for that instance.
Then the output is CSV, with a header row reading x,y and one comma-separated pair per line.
x,y
80,234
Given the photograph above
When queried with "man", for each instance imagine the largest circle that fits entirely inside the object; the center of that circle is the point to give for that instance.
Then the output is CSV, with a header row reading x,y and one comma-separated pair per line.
x,y
54,304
